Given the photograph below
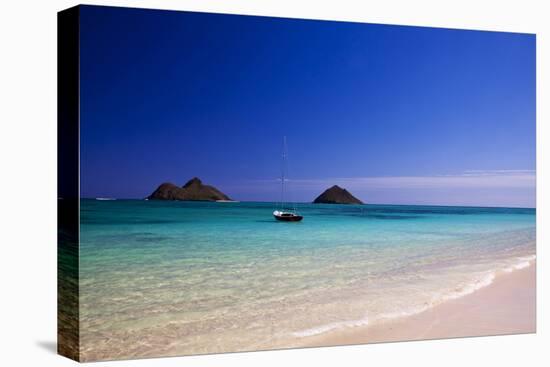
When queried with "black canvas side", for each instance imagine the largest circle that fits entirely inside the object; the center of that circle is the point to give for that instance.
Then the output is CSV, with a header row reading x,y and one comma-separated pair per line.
x,y
68,183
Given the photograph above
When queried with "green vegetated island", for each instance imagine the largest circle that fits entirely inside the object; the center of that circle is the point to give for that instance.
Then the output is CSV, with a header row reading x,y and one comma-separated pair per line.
x,y
195,190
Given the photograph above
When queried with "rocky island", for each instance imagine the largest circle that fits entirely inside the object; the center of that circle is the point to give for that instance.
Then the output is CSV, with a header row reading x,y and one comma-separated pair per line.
x,y
336,195
193,190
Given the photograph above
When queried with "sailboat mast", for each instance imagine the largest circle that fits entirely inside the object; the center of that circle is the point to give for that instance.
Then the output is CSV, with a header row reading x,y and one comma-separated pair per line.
x,y
284,214
283,167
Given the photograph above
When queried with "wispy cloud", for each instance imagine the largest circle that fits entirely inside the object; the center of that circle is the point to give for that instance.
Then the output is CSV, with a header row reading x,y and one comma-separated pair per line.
x,y
510,188
467,179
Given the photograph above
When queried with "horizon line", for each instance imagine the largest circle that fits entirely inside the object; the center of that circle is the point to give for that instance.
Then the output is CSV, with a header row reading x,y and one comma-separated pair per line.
x,y
306,202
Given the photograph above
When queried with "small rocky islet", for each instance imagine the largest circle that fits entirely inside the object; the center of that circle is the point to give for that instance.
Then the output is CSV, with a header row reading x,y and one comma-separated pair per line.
x,y
336,195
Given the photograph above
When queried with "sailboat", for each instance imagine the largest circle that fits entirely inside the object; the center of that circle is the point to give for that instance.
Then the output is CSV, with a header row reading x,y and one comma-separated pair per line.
x,y
285,214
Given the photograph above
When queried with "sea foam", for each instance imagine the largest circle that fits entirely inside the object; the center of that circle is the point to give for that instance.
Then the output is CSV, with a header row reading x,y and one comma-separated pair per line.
x,y
332,326
524,262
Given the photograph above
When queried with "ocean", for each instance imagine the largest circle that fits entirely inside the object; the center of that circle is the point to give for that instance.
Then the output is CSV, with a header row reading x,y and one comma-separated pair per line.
x,y
169,278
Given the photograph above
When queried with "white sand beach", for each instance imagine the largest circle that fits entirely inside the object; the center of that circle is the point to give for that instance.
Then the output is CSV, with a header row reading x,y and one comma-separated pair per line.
x,y
507,306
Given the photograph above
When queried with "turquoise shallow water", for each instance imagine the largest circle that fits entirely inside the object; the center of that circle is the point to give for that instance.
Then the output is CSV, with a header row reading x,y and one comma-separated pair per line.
x,y
164,278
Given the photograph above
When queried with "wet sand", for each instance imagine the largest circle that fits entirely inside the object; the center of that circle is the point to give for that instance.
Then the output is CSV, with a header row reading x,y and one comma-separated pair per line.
x,y
507,306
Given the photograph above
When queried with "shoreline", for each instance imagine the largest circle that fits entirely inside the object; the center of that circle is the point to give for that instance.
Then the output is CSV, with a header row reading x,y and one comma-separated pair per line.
x,y
506,306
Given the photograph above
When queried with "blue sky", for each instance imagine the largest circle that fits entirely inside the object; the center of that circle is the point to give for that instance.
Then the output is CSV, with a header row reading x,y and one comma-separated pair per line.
x,y
395,114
